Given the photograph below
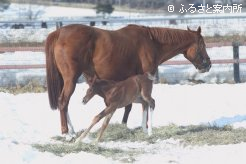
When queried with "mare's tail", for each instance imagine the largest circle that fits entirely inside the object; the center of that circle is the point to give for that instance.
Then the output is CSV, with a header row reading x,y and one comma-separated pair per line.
x,y
54,79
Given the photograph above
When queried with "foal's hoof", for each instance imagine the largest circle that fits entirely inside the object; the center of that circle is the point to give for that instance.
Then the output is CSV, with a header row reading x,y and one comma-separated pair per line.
x,y
95,142
145,130
84,101
78,140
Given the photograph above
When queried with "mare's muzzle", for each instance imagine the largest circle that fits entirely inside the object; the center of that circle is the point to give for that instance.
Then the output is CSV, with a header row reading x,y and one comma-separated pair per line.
x,y
205,66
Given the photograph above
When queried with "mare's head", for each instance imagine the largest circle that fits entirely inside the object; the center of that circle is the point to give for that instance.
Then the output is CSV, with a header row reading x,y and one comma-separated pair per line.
x,y
197,53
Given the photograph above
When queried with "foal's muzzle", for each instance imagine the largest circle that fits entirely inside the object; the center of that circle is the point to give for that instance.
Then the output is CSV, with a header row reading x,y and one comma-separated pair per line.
x,y
84,101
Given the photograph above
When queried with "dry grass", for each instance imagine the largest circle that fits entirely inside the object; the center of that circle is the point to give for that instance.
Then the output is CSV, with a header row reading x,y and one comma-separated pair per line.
x,y
190,135
187,135
33,87
67,148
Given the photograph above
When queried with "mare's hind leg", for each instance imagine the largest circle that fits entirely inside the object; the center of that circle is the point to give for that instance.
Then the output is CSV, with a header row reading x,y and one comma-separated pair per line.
x,y
150,108
67,91
70,125
128,109
69,65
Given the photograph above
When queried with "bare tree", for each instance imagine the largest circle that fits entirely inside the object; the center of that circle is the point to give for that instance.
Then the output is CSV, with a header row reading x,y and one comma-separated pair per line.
x,y
4,4
33,14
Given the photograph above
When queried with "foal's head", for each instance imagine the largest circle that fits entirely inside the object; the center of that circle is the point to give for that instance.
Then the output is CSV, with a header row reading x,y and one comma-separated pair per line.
x,y
96,86
197,53
90,91
89,94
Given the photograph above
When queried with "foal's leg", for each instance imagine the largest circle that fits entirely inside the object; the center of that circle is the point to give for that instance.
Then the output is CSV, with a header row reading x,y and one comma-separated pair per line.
x,y
96,119
150,109
128,109
144,116
104,126
146,95
150,120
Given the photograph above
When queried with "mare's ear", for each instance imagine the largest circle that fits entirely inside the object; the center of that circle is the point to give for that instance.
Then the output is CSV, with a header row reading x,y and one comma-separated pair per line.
x,y
188,28
199,30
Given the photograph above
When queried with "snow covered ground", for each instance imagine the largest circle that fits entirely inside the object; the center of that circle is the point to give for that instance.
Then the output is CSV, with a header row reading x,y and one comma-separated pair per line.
x,y
27,119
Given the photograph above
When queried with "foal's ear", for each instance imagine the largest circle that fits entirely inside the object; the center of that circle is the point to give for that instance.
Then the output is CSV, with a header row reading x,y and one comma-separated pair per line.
x,y
188,28
199,30
93,79
90,80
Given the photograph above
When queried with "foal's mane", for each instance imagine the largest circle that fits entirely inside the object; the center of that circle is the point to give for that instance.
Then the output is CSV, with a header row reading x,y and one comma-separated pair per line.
x,y
103,82
171,36
101,86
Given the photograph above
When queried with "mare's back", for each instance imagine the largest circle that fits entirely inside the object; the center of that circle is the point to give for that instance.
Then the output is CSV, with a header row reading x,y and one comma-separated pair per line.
x,y
116,53
75,31
76,38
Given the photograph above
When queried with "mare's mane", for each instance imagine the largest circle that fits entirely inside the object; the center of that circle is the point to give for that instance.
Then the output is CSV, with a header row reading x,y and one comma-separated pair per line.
x,y
171,36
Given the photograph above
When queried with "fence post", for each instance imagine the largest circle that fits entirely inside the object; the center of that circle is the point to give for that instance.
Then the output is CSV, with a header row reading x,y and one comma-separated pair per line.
x,y
236,61
58,25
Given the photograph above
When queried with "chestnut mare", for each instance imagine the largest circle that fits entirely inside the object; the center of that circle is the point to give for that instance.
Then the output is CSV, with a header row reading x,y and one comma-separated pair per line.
x,y
135,89
112,55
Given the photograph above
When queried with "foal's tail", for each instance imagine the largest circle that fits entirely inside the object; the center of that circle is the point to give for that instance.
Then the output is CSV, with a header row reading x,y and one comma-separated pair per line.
x,y
54,79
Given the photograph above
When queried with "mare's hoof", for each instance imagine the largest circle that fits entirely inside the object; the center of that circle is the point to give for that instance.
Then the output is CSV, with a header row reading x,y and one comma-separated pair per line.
x,y
69,137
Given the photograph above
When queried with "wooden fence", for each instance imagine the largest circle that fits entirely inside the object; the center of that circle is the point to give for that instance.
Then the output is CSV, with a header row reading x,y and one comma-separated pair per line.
x,y
235,61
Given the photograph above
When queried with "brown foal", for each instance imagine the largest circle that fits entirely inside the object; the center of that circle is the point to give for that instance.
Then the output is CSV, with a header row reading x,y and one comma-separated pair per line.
x,y
136,89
